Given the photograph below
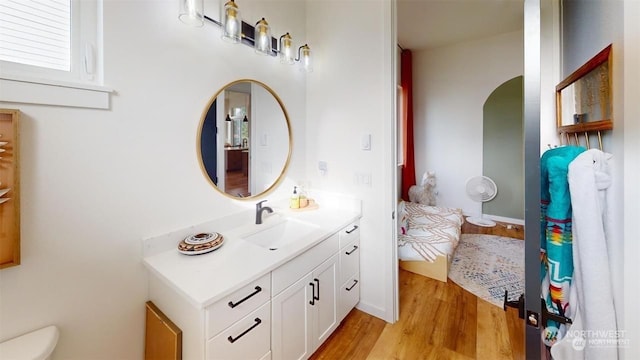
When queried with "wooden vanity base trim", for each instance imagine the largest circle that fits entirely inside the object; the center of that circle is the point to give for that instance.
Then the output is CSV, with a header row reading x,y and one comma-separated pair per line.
x,y
163,339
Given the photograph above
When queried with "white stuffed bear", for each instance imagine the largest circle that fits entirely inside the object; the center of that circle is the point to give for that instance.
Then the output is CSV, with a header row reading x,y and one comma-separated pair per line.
x,y
425,192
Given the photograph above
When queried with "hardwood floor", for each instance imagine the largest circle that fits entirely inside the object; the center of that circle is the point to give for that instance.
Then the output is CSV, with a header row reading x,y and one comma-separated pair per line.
x,y
237,183
437,321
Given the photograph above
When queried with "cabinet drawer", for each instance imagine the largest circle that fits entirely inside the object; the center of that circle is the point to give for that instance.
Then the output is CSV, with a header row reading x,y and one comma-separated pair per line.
x,y
237,305
349,233
249,338
349,261
289,273
349,296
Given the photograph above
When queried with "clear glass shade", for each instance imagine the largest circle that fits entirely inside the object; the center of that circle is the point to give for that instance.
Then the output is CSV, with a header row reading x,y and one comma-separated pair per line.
x,y
286,49
192,12
262,37
231,23
305,58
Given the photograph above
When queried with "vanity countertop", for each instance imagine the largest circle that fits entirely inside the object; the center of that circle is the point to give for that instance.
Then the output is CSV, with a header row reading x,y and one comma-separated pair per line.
x,y
204,279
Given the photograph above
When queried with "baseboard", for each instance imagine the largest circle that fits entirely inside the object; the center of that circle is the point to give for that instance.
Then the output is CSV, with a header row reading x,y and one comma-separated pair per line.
x,y
506,219
372,310
499,218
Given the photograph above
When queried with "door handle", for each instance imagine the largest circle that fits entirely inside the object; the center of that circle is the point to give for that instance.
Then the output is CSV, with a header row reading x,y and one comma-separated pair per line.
x,y
354,228
257,290
313,293
318,285
355,247
232,339
352,286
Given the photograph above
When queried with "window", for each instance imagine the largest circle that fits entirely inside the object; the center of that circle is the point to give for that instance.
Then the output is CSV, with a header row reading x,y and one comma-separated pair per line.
x,y
51,53
36,33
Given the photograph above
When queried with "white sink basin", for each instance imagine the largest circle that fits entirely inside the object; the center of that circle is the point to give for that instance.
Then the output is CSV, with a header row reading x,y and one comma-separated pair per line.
x,y
276,234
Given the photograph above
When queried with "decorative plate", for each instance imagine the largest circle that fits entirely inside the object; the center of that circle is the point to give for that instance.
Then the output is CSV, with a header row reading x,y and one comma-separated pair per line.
x,y
197,249
201,238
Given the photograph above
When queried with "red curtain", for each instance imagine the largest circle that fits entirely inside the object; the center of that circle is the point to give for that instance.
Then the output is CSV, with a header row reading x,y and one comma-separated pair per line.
x,y
406,82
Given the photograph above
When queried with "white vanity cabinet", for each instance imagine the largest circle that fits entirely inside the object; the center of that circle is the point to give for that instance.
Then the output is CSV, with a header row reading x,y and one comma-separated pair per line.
x,y
285,313
349,283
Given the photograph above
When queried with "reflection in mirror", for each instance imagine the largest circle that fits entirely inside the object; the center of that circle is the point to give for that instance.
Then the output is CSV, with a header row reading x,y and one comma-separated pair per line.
x,y
250,153
588,98
584,97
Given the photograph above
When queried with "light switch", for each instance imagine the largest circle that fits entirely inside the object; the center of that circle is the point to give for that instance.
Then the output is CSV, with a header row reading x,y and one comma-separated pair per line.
x,y
322,167
365,143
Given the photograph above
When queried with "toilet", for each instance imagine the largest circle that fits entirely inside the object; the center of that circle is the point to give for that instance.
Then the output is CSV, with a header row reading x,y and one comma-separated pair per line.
x,y
36,345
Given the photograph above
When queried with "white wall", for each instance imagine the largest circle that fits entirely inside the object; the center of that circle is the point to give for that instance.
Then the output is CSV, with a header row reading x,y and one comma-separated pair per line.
x,y
588,27
451,85
96,182
349,95
631,176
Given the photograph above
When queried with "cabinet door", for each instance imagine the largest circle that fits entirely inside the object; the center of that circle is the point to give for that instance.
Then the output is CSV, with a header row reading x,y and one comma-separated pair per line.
x,y
325,319
291,313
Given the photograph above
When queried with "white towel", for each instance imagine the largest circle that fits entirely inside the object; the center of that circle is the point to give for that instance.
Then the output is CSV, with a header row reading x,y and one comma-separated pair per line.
x,y
594,314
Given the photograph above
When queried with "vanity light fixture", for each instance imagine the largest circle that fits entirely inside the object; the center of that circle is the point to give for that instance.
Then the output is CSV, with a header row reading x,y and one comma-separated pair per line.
x,y
228,118
192,12
286,49
231,23
245,119
237,31
304,57
262,37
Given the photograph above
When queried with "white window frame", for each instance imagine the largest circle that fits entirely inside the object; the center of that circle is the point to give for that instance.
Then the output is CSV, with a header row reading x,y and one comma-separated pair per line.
x,y
82,86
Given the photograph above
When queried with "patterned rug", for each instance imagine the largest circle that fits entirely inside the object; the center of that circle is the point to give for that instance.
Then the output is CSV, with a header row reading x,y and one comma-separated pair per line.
x,y
486,265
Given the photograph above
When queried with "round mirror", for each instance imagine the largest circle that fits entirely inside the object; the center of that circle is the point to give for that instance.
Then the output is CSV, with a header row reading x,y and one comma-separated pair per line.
x,y
244,139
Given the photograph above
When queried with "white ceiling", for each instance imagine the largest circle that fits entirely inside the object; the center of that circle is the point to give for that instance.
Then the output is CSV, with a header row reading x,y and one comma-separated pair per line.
x,y
426,24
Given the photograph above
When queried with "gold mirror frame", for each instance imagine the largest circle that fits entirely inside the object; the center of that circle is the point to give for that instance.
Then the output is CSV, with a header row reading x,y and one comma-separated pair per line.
x,y
203,117
603,57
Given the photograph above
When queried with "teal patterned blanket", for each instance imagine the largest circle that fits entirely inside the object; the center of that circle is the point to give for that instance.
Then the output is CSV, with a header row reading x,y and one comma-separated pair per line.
x,y
556,252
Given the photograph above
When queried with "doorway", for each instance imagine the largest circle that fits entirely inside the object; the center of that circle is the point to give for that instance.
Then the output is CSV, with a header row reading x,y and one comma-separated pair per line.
x,y
456,80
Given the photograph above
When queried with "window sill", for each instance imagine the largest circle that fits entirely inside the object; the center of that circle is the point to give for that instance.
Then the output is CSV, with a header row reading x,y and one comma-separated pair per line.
x,y
58,93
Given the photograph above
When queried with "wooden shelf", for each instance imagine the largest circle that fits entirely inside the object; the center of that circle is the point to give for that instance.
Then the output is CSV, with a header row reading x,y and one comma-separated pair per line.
x,y
9,179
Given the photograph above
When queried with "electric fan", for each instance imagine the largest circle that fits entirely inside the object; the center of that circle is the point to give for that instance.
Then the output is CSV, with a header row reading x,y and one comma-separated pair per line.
x,y
481,189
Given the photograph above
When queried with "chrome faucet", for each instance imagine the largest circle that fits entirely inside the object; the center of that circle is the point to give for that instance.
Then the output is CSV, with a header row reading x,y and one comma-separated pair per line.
x,y
260,209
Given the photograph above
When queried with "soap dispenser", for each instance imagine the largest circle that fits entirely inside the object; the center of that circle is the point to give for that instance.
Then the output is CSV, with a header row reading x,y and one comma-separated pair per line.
x,y
295,199
304,201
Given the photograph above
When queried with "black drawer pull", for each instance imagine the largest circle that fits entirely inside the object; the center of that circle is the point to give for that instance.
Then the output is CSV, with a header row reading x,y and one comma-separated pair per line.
x,y
355,247
313,293
232,305
232,340
352,286
355,227
318,285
